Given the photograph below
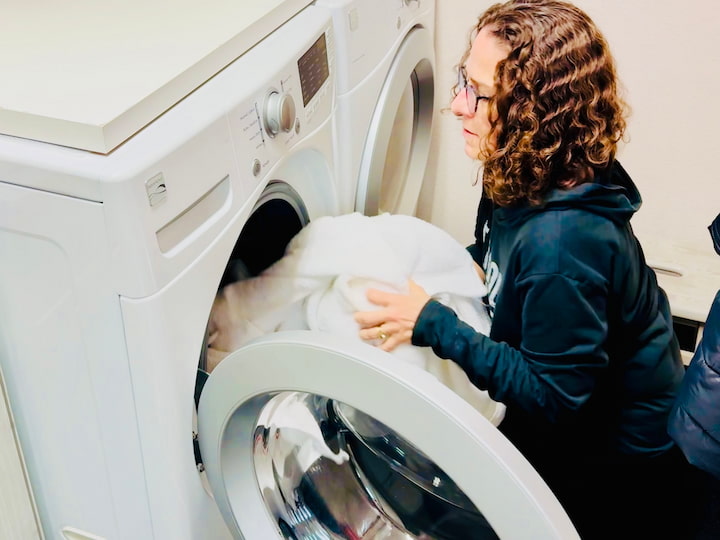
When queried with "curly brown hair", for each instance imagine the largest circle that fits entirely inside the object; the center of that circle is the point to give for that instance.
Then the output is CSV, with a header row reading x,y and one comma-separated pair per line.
x,y
556,116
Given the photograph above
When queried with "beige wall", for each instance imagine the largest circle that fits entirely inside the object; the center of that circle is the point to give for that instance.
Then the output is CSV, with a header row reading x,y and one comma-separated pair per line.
x,y
668,56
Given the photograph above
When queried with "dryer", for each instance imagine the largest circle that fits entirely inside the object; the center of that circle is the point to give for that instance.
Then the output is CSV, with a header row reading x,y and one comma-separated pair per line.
x,y
386,87
111,263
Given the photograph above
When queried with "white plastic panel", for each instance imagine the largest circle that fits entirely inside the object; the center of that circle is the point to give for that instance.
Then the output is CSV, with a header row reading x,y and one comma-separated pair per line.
x,y
18,517
65,366
368,29
490,471
112,67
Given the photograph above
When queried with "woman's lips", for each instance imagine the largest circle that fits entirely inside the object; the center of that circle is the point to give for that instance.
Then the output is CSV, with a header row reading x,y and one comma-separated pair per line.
x,y
470,133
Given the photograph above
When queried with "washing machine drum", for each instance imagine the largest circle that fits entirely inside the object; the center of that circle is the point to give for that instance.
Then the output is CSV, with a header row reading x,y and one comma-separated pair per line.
x,y
387,487
308,435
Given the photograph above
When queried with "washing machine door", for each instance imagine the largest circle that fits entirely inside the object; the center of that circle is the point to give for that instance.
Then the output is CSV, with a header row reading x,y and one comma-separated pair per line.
x,y
309,435
396,150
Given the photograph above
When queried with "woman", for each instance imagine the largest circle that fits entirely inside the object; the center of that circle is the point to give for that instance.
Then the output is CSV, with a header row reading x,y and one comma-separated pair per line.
x,y
582,350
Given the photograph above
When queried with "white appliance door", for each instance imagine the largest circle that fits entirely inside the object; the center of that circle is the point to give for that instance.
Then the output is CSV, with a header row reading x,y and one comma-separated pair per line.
x,y
308,435
396,150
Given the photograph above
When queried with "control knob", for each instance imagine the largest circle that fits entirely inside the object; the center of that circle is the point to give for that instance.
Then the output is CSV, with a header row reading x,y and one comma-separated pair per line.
x,y
279,113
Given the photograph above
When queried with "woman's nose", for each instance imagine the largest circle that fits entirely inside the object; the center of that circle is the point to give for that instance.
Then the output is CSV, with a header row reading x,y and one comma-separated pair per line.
x,y
458,106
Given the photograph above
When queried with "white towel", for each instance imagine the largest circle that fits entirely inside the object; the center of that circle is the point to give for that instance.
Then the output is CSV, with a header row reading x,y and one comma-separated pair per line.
x,y
322,280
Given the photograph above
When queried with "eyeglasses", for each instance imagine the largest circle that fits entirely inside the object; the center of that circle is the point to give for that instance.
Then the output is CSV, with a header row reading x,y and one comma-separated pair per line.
x,y
471,95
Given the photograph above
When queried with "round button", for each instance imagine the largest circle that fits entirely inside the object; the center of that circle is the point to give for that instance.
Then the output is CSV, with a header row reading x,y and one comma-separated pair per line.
x,y
279,114
256,167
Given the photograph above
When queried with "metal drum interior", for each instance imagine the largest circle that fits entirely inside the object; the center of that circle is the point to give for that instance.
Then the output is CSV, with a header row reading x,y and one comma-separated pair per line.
x,y
385,488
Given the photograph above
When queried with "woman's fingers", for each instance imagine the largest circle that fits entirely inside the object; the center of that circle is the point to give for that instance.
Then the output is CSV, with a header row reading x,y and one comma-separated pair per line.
x,y
381,298
392,324
379,331
370,319
396,339
388,336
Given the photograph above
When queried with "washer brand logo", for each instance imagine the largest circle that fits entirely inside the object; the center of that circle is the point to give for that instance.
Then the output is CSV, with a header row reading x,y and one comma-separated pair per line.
x,y
156,190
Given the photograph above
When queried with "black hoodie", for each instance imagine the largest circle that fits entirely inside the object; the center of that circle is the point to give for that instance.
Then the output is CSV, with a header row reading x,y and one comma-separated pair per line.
x,y
581,349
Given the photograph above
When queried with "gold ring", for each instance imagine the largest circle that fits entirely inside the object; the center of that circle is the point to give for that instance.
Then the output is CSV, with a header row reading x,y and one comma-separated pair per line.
x,y
382,335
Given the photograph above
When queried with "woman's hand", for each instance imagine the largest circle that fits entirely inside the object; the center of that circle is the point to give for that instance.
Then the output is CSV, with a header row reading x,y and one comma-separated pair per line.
x,y
392,324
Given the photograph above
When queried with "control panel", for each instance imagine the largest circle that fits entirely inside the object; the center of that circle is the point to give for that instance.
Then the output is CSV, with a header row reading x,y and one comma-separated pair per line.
x,y
292,104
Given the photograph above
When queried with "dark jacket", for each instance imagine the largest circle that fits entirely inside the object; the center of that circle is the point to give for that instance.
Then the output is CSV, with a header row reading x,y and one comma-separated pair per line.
x,y
581,348
695,418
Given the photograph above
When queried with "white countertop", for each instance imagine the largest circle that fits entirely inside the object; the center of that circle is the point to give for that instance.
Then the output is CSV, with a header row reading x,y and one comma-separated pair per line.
x,y
89,74
690,275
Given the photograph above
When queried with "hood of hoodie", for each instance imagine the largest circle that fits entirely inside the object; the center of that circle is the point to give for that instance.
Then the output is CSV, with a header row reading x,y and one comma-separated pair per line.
x,y
613,195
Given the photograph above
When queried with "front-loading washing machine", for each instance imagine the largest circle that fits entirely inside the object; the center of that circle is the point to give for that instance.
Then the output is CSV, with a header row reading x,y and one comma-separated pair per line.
x,y
386,88
111,262
110,265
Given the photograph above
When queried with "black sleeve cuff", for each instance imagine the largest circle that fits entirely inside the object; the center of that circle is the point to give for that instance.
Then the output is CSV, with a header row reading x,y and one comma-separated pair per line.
x,y
430,322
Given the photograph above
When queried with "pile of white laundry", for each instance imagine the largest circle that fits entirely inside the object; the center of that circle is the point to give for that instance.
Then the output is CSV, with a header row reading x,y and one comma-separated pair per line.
x,y
322,280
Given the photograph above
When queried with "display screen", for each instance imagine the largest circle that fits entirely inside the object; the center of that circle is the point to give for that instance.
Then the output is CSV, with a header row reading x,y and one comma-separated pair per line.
x,y
314,69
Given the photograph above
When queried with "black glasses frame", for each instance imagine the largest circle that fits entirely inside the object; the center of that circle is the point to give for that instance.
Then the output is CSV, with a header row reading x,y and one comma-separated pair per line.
x,y
471,96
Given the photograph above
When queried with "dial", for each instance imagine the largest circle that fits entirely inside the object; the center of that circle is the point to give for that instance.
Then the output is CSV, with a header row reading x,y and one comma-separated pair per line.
x,y
279,114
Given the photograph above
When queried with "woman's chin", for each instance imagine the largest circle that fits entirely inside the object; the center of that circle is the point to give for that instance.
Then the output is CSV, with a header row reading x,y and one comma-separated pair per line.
x,y
472,151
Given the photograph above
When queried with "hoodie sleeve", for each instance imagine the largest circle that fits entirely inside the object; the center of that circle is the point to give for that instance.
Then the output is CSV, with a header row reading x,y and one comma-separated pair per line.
x,y
553,371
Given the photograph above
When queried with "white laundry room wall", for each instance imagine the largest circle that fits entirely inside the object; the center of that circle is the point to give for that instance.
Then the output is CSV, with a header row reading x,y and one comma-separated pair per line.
x,y
668,57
